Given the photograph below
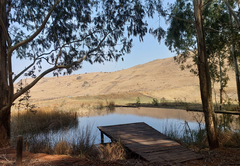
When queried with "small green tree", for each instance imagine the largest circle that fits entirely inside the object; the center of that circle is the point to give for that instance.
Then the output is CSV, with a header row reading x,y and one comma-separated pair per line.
x,y
155,102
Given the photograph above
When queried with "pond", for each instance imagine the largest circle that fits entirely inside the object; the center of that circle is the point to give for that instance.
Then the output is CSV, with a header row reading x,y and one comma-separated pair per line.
x,y
163,120
173,121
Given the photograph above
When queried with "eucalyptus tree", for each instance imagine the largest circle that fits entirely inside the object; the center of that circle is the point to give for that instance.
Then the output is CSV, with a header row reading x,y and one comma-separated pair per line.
x,y
196,30
204,77
63,34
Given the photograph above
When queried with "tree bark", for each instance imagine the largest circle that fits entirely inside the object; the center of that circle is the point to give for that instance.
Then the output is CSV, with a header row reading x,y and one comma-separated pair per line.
x,y
204,78
4,115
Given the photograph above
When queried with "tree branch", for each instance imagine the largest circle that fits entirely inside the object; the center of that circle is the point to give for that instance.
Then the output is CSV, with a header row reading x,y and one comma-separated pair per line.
x,y
38,30
19,93
57,67
23,71
233,13
181,19
40,56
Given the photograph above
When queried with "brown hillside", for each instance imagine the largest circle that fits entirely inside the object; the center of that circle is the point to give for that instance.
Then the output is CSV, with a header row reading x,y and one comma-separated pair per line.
x,y
158,78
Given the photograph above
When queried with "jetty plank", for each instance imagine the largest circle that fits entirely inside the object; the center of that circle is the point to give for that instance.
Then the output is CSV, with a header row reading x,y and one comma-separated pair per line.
x,y
149,143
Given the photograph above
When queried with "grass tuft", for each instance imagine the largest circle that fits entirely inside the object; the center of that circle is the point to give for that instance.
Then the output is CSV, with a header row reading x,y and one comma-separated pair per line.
x,y
62,147
112,151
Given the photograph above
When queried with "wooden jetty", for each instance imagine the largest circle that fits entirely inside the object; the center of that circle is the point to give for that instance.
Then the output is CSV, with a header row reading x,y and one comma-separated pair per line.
x,y
149,143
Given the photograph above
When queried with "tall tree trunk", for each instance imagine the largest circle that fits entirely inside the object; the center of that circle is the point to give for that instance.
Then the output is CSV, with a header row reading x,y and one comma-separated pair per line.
x,y
221,81
204,78
4,115
235,60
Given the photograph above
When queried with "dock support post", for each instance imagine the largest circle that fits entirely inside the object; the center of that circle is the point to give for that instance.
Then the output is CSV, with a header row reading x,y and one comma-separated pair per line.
x,y
19,150
102,138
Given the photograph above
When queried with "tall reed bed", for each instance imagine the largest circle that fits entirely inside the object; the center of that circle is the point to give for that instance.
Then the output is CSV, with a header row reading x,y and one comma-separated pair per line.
x,y
41,120
77,143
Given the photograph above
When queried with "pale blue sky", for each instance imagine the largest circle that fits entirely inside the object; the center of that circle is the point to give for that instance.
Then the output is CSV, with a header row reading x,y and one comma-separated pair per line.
x,y
142,52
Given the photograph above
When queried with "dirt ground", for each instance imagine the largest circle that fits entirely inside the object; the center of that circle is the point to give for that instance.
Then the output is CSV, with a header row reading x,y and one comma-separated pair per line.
x,y
223,156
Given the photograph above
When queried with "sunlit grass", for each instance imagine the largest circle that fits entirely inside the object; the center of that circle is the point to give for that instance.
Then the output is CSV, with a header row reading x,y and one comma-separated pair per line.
x,y
24,122
112,151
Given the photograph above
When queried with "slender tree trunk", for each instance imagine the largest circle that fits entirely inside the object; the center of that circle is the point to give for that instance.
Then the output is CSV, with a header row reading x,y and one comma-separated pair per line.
x,y
221,84
235,60
204,78
4,115
236,72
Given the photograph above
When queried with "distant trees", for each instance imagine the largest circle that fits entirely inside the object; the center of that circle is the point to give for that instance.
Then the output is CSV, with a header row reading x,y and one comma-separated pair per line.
x,y
63,34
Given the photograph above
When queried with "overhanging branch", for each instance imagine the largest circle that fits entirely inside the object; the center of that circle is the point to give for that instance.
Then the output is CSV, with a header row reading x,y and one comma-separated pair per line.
x,y
38,30
16,95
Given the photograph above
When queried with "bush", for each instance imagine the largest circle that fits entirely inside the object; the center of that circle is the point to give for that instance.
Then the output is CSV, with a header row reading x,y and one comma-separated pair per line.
x,y
155,102
111,106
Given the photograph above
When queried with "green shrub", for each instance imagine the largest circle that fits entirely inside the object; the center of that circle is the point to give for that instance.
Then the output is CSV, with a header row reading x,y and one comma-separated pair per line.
x,y
155,102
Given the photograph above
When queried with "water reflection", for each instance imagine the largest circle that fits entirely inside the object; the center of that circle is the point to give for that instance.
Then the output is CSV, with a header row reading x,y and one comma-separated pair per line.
x,y
164,120
174,122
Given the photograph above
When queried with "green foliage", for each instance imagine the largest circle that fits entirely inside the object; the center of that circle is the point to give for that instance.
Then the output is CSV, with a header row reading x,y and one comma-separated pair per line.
x,y
155,102
102,30
181,36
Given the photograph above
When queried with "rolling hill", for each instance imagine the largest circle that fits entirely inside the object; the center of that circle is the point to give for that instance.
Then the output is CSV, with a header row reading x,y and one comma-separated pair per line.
x,y
159,78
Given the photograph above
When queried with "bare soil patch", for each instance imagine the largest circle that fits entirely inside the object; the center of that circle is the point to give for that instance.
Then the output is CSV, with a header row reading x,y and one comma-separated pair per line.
x,y
222,156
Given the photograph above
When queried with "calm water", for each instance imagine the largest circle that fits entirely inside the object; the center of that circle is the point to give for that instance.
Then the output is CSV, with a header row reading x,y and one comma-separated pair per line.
x,y
161,119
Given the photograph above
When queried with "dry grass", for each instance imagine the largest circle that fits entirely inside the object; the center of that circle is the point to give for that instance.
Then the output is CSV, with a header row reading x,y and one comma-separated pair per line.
x,y
62,147
229,138
80,143
43,119
112,151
